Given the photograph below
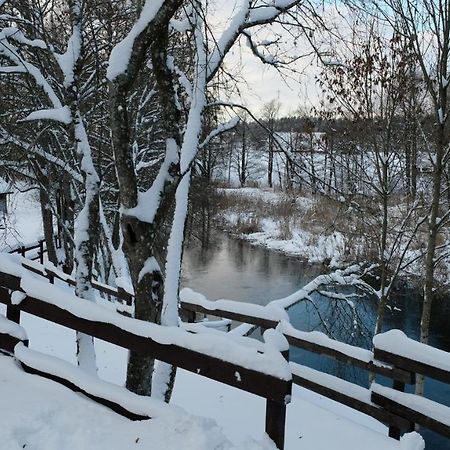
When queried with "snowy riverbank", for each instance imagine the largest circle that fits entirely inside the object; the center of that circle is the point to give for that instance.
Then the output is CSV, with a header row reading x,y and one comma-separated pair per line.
x,y
318,229
276,221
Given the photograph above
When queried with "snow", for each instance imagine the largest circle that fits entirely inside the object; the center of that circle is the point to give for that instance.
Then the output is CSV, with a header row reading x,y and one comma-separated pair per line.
x,y
276,340
42,415
315,246
315,249
61,114
422,405
181,26
267,195
24,223
202,327
17,297
12,328
228,36
131,402
47,416
121,53
396,342
313,421
17,35
4,186
411,441
149,200
68,60
316,337
150,266
169,315
270,312
331,382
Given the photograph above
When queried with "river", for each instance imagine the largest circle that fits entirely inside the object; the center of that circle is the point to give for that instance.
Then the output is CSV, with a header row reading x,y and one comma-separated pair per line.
x,y
234,269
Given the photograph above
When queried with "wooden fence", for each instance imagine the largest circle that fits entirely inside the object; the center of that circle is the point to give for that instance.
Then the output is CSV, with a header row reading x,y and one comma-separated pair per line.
x,y
392,406
25,249
276,390
389,405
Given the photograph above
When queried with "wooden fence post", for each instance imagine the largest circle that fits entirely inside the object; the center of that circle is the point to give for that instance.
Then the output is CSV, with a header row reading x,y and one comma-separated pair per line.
x,y
41,251
276,418
276,422
13,314
394,431
124,296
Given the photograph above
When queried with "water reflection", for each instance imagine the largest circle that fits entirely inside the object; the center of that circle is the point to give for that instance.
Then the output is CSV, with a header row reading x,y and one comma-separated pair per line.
x,y
232,269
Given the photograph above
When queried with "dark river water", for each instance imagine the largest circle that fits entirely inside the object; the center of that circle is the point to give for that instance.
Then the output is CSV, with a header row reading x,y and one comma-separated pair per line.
x,y
234,269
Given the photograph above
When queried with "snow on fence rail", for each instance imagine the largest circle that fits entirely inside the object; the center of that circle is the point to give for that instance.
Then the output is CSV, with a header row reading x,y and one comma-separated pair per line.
x,y
116,398
53,274
395,356
225,360
395,348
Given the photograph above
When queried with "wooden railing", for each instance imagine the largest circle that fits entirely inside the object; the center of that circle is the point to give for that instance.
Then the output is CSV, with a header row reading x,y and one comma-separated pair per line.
x,y
392,406
25,249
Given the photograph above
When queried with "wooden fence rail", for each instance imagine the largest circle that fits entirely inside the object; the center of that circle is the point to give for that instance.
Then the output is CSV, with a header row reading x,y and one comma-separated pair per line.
x,y
24,249
386,407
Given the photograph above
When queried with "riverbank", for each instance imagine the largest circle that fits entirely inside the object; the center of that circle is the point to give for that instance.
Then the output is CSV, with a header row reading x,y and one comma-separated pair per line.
x,y
320,230
294,225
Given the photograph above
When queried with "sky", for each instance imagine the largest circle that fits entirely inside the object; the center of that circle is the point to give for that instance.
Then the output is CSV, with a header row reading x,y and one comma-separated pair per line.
x,y
299,90
264,83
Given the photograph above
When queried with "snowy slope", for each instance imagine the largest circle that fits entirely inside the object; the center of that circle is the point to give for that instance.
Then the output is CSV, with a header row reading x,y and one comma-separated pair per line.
x,y
41,415
23,223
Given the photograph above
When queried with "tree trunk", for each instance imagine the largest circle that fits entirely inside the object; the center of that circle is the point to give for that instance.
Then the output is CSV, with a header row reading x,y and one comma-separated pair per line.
x,y
270,162
433,227
47,223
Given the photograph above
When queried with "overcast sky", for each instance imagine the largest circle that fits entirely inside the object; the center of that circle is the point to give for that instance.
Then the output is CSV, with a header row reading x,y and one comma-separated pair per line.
x,y
265,83
294,91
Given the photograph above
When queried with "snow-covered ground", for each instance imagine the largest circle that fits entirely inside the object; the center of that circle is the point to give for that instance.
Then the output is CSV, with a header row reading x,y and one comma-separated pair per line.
x,y
24,222
38,414
41,415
